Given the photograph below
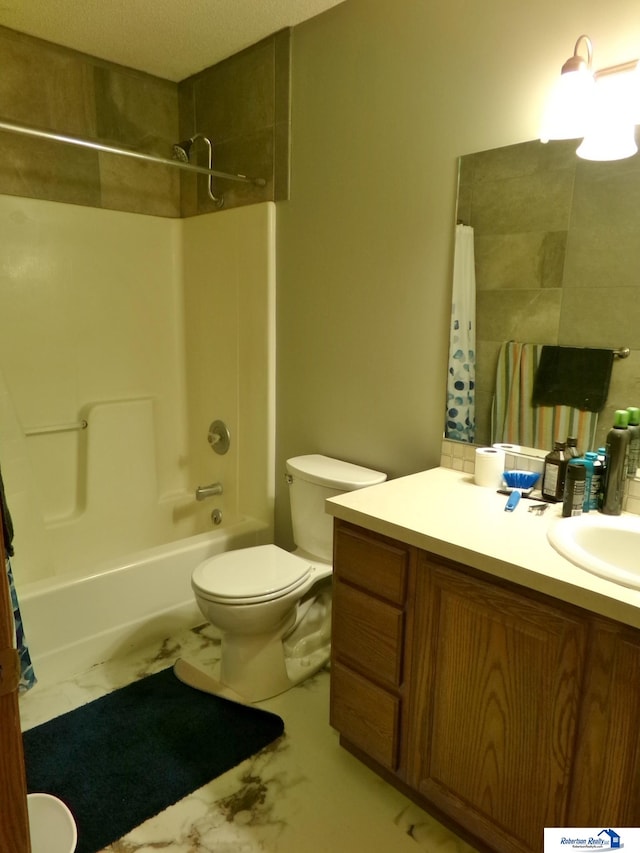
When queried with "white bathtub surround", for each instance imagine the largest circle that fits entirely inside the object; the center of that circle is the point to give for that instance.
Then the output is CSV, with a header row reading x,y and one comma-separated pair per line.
x,y
77,621
304,793
146,330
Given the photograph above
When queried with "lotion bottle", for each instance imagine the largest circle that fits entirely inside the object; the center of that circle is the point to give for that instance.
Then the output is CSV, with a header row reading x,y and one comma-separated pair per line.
x,y
595,481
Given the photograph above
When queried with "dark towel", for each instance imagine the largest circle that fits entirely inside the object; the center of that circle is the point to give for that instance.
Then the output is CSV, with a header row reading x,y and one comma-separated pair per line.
x,y
7,526
573,376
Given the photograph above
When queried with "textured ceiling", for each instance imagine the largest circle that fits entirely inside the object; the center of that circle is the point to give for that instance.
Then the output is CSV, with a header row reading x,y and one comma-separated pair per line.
x,y
169,38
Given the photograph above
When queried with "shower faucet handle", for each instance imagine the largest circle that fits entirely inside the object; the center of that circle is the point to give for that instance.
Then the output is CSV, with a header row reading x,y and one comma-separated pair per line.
x,y
219,437
203,492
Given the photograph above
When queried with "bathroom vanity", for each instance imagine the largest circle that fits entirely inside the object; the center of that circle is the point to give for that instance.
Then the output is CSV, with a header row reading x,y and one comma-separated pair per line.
x,y
478,670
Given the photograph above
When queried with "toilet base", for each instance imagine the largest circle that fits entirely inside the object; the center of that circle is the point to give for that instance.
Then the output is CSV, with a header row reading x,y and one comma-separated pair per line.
x,y
258,664
257,668
208,680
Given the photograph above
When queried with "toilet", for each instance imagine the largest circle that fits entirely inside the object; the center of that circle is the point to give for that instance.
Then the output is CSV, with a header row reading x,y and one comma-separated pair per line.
x,y
271,606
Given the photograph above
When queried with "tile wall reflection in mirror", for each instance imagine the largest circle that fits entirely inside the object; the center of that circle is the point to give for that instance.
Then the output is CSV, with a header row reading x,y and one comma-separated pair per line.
x,y
557,258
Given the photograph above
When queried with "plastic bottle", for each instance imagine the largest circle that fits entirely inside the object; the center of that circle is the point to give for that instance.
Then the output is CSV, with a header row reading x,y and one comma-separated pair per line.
x,y
572,447
588,464
554,472
602,458
634,441
574,488
594,487
617,464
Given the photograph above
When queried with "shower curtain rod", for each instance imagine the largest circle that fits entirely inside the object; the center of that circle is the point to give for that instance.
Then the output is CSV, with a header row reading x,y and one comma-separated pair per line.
x,y
29,130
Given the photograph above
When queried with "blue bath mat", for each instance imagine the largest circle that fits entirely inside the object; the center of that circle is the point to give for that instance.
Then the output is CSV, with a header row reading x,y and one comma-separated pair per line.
x,y
125,757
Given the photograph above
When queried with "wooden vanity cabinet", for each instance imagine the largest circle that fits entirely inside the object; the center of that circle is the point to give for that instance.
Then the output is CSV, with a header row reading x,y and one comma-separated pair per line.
x,y
498,708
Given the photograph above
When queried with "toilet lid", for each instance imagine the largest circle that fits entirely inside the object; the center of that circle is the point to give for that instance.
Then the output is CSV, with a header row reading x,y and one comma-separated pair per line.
x,y
250,575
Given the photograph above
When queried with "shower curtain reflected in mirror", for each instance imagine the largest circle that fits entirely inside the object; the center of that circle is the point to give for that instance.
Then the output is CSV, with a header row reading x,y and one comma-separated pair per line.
x,y
460,423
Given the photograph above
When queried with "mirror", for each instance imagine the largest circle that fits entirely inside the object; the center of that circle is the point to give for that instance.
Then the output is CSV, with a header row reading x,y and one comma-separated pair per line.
x,y
557,257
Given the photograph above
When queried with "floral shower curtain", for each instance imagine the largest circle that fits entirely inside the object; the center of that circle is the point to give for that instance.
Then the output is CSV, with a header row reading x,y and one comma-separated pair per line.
x,y
461,415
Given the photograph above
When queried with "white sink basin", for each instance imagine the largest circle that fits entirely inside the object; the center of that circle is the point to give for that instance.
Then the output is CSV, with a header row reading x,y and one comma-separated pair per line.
x,y
608,546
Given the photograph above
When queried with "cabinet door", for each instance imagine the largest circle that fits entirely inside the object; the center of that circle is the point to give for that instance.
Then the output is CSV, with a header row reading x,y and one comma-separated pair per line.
x,y
494,706
606,789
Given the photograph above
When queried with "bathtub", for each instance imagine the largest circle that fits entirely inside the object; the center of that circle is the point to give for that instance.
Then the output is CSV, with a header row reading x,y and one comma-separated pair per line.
x,y
72,623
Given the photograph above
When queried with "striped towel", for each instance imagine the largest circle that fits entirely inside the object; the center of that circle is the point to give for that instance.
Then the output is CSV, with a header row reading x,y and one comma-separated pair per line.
x,y
516,421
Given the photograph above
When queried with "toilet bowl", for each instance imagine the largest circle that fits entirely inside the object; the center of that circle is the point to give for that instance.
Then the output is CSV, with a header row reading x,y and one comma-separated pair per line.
x,y
273,607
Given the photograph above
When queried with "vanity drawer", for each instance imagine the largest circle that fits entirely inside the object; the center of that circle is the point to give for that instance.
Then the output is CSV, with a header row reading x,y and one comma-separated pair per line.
x,y
365,715
367,633
376,565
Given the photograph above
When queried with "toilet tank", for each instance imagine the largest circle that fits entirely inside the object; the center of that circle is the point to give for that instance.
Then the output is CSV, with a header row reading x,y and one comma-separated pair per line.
x,y
312,479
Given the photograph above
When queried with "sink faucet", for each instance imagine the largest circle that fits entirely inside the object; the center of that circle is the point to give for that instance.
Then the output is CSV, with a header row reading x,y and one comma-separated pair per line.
x,y
203,492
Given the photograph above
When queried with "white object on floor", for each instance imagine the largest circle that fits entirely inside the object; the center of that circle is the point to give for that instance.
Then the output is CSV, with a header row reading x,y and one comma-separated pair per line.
x,y
51,825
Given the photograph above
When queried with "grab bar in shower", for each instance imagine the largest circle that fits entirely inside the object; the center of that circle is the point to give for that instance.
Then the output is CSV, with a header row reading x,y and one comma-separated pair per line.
x,y
73,427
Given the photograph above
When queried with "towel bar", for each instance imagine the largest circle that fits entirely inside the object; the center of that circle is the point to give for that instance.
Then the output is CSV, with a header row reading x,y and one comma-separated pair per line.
x,y
83,424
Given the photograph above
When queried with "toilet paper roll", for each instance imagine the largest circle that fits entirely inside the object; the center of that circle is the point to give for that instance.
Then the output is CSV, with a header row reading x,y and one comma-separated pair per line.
x,y
489,467
508,448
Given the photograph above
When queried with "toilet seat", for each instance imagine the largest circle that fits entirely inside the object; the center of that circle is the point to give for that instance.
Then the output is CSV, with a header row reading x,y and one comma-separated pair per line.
x,y
250,575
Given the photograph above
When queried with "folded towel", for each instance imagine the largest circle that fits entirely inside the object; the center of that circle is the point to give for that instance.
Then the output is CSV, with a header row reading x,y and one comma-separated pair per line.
x,y
573,376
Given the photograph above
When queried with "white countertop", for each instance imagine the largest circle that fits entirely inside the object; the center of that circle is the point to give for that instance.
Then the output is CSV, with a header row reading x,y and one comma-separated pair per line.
x,y
444,512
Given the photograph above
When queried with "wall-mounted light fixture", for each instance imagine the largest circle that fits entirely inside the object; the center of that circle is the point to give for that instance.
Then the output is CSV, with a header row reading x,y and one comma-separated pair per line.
x,y
601,107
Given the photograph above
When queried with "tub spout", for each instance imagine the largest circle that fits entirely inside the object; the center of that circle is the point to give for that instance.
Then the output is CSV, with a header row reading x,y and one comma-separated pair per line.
x,y
203,492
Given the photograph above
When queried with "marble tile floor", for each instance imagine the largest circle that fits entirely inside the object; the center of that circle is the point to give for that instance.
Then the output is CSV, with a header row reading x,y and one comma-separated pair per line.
x,y
302,794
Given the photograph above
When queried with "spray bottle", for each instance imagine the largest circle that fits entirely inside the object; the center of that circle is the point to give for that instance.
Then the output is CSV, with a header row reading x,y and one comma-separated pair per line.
x,y
617,464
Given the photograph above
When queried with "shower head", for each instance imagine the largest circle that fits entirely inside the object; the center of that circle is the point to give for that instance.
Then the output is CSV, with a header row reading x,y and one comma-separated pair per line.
x,y
181,150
